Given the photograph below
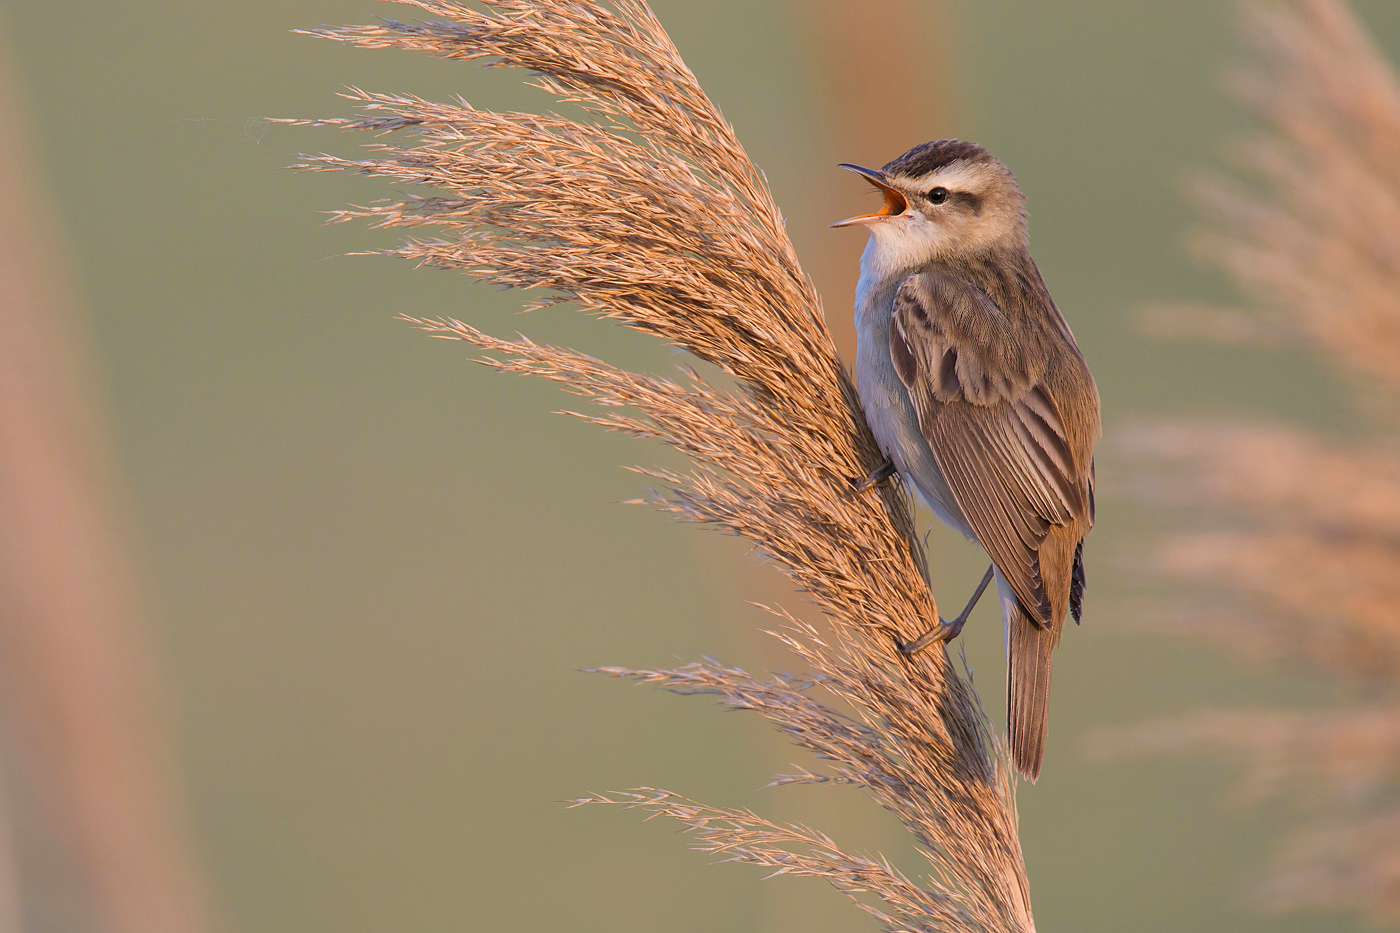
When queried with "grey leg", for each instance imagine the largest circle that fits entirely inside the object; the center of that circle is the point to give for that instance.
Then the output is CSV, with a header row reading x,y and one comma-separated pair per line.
x,y
944,630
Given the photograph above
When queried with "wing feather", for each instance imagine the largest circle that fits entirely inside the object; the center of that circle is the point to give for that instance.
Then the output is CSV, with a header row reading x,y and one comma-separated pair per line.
x,y
991,420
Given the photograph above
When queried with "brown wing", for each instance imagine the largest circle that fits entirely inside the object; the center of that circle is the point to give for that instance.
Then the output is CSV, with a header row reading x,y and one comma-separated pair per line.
x,y
982,384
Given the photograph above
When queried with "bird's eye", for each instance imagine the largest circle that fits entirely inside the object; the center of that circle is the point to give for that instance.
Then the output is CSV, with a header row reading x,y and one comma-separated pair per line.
x,y
938,195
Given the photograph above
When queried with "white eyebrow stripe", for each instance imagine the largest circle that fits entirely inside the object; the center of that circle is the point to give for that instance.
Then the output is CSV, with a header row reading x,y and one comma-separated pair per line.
x,y
960,176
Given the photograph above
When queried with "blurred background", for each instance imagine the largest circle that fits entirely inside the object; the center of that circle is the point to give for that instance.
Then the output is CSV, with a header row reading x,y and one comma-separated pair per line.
x,y
296,597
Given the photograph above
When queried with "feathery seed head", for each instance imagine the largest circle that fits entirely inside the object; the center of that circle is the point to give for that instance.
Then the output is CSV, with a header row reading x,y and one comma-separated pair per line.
x,y
651,213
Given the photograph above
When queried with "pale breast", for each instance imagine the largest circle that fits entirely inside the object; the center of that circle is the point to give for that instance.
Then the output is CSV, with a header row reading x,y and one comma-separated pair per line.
x,y
889,410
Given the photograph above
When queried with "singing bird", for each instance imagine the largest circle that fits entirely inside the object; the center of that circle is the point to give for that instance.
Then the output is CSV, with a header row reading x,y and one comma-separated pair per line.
x,y
977,393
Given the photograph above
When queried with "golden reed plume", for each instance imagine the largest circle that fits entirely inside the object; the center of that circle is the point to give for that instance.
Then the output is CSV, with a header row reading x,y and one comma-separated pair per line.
x,y
650,213
1302,545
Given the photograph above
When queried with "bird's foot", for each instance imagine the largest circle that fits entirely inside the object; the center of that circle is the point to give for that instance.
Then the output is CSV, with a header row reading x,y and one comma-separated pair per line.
x,y
881,473
945,630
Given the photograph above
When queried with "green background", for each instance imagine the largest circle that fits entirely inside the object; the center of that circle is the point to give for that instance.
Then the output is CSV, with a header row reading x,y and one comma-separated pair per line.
x,y
376,568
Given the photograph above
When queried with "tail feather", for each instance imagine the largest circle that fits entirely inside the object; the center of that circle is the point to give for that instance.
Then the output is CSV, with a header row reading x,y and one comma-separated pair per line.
x,y
1029,647
1029,652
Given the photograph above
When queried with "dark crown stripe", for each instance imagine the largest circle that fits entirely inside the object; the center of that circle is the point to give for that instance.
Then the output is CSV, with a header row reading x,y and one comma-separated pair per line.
x,y
929,157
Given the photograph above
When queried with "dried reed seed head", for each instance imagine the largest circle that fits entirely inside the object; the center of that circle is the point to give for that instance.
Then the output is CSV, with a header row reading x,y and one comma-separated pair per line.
x,y
653,215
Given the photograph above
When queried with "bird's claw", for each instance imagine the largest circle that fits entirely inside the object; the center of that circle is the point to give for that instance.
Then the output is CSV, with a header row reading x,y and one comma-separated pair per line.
x,y
877,476
943,631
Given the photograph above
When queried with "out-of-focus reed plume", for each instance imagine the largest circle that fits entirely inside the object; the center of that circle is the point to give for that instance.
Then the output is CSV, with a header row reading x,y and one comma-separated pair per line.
x,y
1317,247
88,763
650,213
1302,542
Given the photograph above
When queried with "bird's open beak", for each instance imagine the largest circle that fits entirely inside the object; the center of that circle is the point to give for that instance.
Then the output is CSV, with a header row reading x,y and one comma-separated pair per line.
x,y
894,201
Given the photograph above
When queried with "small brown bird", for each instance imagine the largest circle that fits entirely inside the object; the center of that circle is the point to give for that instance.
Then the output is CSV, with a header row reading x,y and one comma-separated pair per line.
x,y
977,393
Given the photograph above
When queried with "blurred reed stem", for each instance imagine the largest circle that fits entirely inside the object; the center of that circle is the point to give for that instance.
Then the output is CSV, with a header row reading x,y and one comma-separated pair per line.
x,y
81,717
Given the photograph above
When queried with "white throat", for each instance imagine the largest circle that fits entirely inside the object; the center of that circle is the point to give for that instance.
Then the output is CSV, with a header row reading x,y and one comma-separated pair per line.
x,y
896,248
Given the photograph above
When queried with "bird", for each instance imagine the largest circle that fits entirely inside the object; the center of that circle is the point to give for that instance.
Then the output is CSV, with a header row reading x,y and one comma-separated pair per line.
x,y
978,395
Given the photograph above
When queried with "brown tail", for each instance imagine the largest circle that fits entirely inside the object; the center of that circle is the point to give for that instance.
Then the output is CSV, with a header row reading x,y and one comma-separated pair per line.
x,y
1029,651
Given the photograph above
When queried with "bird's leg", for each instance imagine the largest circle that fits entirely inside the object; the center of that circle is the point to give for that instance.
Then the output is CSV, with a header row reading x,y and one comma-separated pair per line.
x,y
947,631
881,473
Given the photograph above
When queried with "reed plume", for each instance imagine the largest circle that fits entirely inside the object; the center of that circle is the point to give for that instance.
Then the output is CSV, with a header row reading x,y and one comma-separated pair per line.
x,y
1302,546
649,212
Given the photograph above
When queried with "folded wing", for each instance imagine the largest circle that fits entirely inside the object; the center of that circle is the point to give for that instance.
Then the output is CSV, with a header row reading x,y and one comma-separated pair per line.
x,y
983,392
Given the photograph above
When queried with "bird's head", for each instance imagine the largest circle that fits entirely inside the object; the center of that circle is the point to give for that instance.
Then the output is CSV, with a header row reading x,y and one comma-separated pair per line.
x,y
944,200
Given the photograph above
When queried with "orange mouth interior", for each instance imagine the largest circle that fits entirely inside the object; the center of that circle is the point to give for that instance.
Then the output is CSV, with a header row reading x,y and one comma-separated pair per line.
x,y
894,202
